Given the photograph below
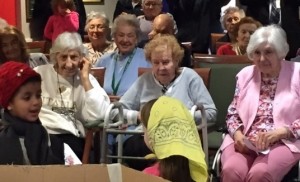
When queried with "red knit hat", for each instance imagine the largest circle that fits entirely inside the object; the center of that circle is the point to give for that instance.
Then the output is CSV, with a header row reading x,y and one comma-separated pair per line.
x,y
12,76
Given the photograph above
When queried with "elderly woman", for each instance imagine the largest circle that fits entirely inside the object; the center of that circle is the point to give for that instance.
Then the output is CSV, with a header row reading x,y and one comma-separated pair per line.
x,y
97,28
263,131
242,32
71,96
13,47
232,15
122,65
166,78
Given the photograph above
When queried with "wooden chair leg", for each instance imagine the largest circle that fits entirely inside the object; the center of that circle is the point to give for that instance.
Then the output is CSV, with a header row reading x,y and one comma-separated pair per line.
x,y
87,146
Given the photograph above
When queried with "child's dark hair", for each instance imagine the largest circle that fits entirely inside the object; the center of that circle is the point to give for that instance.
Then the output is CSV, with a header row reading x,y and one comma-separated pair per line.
x,y
63,3
174,168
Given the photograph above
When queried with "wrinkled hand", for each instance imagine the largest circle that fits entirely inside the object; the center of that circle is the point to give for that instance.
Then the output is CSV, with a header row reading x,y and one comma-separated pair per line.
x,y
239,143
265,139
84,67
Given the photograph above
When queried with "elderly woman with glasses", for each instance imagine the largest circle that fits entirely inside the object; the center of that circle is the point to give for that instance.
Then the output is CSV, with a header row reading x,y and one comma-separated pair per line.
x,y
263,119
97,28
71,95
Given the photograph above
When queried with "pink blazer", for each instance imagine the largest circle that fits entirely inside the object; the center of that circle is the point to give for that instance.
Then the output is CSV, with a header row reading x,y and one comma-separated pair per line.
x,y
286,104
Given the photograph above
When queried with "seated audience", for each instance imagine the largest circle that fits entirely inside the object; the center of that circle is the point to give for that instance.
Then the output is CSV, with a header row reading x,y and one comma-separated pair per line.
x,y
263,134
166,78
180,155
23,139
97,28
13,47
71,95
242,32
165,24
128,6
232,15
122,65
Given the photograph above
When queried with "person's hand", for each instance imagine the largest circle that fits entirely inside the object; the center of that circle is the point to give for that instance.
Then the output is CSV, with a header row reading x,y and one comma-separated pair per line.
x,y
84,67
239,143
68,11
265,139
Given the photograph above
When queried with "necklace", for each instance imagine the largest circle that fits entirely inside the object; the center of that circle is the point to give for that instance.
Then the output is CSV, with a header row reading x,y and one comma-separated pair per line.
x,y
114,85
166,87
66,112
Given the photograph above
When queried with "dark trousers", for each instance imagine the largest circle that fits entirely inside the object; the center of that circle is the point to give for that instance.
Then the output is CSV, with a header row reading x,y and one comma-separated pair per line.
x,y
76,143
135,146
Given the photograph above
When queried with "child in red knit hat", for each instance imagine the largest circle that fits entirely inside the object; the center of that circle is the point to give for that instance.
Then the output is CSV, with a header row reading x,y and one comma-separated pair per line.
x,y
23,139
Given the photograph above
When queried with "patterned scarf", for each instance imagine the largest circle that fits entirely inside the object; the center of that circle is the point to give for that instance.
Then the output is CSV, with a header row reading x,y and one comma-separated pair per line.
x,y
172,131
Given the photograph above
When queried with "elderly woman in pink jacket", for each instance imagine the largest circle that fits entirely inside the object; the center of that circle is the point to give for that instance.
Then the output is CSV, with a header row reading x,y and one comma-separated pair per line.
x,y
263,119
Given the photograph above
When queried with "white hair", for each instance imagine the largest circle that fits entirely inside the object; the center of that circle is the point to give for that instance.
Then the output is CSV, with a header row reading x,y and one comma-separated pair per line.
x,y
231,10
96,15
273,35
67,41
128,19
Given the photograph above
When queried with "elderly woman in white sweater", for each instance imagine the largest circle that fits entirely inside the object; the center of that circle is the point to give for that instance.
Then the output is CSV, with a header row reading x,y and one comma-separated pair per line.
x,y
71,96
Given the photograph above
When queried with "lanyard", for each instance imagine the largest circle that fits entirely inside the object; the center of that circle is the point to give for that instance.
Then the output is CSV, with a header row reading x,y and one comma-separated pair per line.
x,y
114,87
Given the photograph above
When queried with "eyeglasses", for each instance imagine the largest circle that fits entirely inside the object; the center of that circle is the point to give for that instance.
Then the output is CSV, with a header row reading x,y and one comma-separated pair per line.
x,y
148,5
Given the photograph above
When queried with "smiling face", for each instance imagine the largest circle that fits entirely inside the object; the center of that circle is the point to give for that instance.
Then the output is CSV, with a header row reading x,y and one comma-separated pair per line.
x,y
97,30
26,103
125,38
11,48
244,33
67,63
267,60
163,65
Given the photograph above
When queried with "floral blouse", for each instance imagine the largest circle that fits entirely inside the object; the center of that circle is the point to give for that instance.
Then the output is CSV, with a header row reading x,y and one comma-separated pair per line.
x,y
94,55
263,121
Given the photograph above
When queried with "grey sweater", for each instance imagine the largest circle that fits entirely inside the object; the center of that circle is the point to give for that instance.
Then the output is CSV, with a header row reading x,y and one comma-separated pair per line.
x,y
187,87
